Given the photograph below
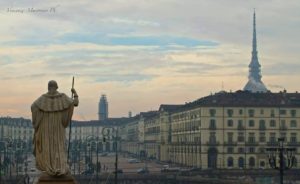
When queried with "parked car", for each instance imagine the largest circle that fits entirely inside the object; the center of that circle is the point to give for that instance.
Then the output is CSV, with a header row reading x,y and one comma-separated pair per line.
x,y
133,160
143,170
165,166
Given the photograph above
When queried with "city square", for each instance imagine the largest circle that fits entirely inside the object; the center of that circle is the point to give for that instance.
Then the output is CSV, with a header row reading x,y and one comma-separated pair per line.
x,y
139,91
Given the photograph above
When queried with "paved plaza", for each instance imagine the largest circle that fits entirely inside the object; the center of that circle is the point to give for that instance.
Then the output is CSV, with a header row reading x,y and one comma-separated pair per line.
x,y
108,164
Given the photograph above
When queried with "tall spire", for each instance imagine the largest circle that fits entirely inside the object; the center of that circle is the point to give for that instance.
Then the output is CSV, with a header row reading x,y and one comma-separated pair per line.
x,y
254,84
254,46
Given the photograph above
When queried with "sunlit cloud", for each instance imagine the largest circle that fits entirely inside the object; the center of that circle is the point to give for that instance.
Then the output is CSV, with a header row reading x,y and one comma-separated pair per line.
x,y
138,22
142,53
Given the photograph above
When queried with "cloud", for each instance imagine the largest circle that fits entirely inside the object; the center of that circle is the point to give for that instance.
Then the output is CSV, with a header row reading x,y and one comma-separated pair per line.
x,y
143,53
282,69
24,77
138,22
122,78
161,41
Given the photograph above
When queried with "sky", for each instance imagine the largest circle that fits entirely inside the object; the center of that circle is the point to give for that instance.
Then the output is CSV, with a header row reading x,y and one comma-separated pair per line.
x,y
142,53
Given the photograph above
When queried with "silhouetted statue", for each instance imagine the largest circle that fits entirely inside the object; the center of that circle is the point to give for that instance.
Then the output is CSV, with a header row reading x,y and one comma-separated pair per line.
x,y
51,114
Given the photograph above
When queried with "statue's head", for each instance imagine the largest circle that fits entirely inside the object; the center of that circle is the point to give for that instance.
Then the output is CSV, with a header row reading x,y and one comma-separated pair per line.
x,y
52,86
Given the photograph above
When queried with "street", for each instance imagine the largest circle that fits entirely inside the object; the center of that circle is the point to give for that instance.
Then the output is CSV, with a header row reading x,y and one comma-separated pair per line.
x,y
109,162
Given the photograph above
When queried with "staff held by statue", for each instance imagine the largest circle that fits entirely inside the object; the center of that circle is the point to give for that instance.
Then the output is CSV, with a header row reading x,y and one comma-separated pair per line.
x,y
70,122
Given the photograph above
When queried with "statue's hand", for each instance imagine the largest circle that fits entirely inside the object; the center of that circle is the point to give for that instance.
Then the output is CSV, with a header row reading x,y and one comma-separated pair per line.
x,y
73,91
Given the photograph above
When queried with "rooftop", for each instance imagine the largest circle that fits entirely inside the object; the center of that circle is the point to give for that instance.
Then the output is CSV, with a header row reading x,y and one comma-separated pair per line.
x,y
168,107
106,122
247,99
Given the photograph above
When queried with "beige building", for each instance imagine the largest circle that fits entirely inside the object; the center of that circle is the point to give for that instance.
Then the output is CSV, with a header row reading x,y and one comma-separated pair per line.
x,y
142,135
152,135
224,130
232,130
84,132
17,130
129,134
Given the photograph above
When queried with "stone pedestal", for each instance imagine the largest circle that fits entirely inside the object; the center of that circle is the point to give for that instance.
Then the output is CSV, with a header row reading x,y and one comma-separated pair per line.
x,y
46,179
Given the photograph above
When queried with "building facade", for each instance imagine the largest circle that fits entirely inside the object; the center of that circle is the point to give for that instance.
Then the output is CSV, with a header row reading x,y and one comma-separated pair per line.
x,y
102,133
18,131
224,130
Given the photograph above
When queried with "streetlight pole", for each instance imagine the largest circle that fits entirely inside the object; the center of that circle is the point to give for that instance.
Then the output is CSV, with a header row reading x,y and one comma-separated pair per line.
x,y
105,133
16,157
3,147
283,164
10,161
116,164
79,157
26,158
74,156
85,155
19,155
5,144
97,156
281,160
97,169
1,162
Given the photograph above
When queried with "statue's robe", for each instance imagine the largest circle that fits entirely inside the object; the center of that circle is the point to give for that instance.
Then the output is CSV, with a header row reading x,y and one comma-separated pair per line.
x,y
51,114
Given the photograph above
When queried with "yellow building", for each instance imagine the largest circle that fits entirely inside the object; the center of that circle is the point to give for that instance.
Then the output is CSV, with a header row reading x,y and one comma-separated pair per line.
x,y
152,135
224,130
141,136
232,130
129,135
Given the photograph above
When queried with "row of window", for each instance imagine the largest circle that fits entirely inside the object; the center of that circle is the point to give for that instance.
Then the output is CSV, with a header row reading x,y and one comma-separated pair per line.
x,y
151,122
241,162
16,123
230,150
231,113
251,123
252,138
262,136
251,112
187,126
195,125
251,162
152,130
242,150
